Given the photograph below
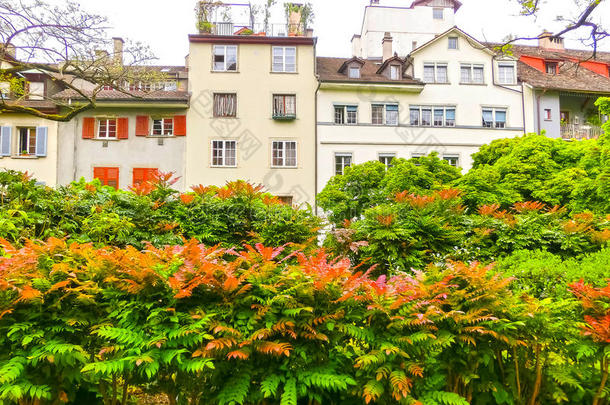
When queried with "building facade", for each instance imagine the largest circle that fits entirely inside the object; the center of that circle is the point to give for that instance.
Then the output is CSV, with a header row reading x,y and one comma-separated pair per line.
x,y
252,113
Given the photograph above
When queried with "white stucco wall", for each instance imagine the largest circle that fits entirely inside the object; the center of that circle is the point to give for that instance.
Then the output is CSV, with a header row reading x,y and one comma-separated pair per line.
x,y
253,128
79,156
44,169
366,141
404,24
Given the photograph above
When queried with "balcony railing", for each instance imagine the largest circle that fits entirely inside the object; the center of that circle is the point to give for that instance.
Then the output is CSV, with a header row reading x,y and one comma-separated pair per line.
x,y
271,30
580,131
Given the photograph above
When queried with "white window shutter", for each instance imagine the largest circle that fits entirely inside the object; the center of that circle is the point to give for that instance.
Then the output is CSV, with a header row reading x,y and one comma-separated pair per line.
x,y
5,141
41,141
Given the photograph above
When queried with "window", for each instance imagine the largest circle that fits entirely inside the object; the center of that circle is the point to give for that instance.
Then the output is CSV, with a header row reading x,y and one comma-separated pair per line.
x,y
385,114
437,13
163,126
435,73
284,59
224,154
506,73
386,159
284,154
106,128
413,45
225,105
342,160
551,68
547,114
437,116
225,58
354,72
494,118
108,176
285,199
346,114
284,106
5,90
35,90
453,160
143,175
453,43
416,156
27,141
471,73
395,72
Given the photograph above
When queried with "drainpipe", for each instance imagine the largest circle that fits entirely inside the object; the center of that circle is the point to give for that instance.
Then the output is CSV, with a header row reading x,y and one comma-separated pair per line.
x,y
523,106
538,111
315,67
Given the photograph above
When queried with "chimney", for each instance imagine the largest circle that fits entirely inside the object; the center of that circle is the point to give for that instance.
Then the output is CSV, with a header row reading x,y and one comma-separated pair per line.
x,y
546,40
357,46
387,46
309,32
118,50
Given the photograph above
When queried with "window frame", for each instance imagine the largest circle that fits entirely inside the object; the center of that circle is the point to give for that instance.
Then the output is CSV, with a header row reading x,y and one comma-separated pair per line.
x,y
353,69
225,68
453,39
548,114
432,121
494,122
471,67
384,114
29,138
285,115
504,65
215,114
554,67
284,57
435,67
283,157
343,156
435,15
163,129
385,155
345,114
107,121
224,149
447,157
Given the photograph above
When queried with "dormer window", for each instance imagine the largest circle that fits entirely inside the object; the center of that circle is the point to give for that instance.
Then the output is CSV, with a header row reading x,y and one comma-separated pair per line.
x,y
395,72
551,67
437,13
354,72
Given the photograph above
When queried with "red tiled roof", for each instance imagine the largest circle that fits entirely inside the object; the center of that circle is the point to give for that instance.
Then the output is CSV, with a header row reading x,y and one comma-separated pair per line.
x,y
108,95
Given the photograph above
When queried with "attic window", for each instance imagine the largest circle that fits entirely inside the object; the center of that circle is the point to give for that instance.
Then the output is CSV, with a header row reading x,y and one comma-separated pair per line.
x,y
354,72
551,68
395,72
453,43
437,13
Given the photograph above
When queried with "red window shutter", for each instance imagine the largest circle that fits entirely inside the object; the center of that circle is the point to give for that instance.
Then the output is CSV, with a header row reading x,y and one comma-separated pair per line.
x,y
142,125
108,176
151,174
180,125
123,128
88,128
141,175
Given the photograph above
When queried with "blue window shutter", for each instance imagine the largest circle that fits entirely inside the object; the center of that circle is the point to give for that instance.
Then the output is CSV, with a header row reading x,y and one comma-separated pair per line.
x,y
5,141
41,141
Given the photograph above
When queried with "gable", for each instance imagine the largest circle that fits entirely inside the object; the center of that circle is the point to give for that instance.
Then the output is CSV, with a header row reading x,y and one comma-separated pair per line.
x,y
466,44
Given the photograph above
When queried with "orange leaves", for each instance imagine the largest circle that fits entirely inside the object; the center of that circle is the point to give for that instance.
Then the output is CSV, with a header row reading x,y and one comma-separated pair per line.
x,y
528,206
187,199
222,343
143,188
401,384
386,220
28,293
274,348
487,210
596,302
201,189
238,355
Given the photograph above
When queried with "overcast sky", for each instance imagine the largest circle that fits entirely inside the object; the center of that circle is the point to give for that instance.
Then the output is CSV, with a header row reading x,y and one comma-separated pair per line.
x,y
164,25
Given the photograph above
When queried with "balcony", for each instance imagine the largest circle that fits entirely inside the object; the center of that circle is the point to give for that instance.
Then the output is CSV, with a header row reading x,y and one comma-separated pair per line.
x,y
580,131
270,30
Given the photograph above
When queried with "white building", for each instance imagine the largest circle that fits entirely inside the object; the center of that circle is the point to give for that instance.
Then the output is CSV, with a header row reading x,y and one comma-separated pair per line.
x,y
410,26
451,95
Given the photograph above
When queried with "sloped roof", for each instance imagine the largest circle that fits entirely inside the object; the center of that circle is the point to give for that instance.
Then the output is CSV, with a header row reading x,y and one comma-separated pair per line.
x,y
110,95
571,77
328,71
455,29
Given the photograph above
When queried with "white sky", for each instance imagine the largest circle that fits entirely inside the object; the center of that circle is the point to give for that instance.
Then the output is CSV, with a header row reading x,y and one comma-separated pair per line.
x,y
164,25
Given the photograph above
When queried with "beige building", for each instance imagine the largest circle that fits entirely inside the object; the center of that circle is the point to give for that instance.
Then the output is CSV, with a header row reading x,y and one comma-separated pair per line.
x,y
29,143
252,113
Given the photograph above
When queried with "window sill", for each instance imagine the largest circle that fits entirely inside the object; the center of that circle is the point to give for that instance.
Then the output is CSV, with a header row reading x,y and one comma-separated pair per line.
x,y
441,83
348,125
284,117
223,117
472,84
284,167
106,139
284,73
223,167
25,157
224,71
160,136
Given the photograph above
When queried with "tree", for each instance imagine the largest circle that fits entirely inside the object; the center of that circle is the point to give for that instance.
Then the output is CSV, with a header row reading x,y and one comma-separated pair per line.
x,y
66,45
